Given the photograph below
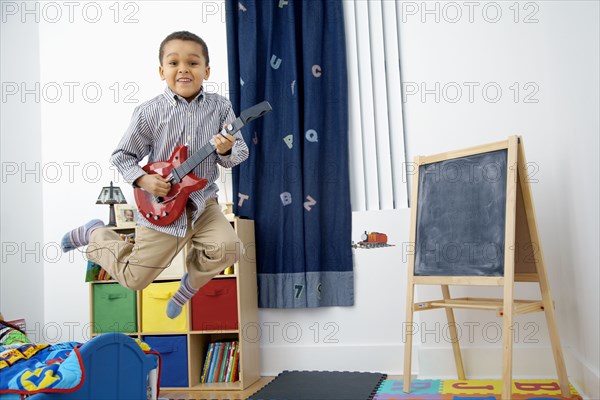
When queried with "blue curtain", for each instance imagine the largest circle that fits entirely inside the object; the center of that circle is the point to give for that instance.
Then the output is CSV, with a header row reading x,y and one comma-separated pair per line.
x,y
295,184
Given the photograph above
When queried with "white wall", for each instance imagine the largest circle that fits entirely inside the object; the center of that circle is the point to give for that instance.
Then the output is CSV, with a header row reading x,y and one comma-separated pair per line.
x,y
558,56
365,337
21,234
554,62
84,67
112,66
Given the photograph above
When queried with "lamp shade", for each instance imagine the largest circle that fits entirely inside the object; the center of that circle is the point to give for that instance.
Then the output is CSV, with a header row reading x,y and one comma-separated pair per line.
x,y
111,195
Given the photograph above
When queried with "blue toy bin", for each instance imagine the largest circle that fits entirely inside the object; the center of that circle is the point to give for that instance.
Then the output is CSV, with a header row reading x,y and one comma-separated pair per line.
x,y
173,357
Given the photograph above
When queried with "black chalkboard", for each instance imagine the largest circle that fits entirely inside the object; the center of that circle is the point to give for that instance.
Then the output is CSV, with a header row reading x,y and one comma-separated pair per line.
x,y
461,212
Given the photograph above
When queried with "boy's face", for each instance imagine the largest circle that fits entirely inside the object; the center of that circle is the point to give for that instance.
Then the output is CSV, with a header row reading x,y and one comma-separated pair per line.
x,y
184,68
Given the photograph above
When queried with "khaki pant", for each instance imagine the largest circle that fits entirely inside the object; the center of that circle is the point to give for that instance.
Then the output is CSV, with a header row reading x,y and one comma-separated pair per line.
x,y
212,246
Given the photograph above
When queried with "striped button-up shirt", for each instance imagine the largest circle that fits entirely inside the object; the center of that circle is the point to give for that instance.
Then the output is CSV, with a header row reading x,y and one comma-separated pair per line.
x,y
167,121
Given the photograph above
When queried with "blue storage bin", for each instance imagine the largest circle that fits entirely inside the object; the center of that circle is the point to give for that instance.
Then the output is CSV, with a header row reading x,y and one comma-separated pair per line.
x,y
173,355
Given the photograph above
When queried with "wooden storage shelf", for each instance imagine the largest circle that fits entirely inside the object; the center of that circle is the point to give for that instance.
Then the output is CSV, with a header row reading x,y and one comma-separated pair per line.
x,y
230,386
198,341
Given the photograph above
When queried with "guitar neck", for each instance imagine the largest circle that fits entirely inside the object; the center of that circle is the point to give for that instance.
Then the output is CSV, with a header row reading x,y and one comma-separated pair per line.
x,y
193,161
246,116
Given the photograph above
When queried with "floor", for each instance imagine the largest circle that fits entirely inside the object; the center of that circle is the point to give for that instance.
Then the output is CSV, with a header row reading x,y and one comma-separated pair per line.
x,y
221,395
217,395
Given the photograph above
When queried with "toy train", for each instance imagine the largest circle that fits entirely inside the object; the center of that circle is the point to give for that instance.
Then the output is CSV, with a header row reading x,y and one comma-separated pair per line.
x,y
372,240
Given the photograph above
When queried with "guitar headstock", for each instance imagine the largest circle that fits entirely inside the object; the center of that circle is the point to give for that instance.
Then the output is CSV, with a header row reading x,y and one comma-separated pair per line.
x,y
254,112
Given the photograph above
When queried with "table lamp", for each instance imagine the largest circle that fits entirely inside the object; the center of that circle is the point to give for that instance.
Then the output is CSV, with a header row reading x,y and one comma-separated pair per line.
x,y
111,195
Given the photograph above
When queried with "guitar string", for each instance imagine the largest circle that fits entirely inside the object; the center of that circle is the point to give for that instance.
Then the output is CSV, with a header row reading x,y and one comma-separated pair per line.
x,y
84,252
176,237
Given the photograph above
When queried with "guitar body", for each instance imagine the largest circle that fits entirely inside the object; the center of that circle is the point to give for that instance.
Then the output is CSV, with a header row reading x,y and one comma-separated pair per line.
x,y
170,208
166,210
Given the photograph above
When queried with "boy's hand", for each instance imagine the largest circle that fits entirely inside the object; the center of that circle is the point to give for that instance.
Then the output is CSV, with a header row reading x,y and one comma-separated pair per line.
x,y
154,183
223,142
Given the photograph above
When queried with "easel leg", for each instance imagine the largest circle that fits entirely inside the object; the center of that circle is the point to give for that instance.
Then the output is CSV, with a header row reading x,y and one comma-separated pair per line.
x,y
507,338
509,267
559,361
453,335
409,331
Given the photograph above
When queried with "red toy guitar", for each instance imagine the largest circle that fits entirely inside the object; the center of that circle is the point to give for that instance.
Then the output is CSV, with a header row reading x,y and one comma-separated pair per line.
x,y
177,170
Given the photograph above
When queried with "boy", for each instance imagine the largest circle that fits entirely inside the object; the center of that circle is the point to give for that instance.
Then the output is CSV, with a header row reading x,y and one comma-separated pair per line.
x,y
183,114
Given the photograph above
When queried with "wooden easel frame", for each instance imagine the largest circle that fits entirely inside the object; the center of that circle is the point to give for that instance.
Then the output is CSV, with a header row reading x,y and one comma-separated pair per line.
x,y
521,226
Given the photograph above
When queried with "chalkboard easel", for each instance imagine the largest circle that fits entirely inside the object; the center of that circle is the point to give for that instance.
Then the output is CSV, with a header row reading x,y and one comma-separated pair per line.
x,y
473,223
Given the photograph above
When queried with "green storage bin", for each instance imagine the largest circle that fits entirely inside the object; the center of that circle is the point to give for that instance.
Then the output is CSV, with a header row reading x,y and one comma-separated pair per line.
x,y
114,309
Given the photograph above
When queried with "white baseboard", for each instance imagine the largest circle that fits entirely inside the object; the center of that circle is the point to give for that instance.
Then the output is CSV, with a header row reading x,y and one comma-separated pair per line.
x,y
584,377
486,362
428,362
386,358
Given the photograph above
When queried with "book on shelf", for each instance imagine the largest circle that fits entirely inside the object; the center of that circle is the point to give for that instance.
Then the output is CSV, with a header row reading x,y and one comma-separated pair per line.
x,y
213,362
220,363
235,368
95,272
227,362
204,375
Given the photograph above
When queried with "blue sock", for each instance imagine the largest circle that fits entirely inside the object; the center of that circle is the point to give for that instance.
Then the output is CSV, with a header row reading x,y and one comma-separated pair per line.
x,y
79,236
182,296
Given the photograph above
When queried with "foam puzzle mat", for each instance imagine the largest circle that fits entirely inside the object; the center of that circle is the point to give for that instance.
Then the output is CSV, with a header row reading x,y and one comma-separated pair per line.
x,y
435,389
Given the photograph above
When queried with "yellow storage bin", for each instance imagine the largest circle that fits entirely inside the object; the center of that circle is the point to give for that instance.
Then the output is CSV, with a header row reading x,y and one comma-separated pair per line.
x,y
154,309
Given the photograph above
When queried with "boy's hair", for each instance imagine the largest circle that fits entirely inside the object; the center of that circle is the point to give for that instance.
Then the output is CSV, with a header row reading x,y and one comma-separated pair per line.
x,y
183,35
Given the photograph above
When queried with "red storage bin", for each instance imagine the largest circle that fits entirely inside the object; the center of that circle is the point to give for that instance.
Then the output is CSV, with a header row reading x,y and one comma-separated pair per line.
x,y
214,307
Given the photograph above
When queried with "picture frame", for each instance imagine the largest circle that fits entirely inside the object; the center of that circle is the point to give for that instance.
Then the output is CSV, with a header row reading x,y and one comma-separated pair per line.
x,y
126,215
